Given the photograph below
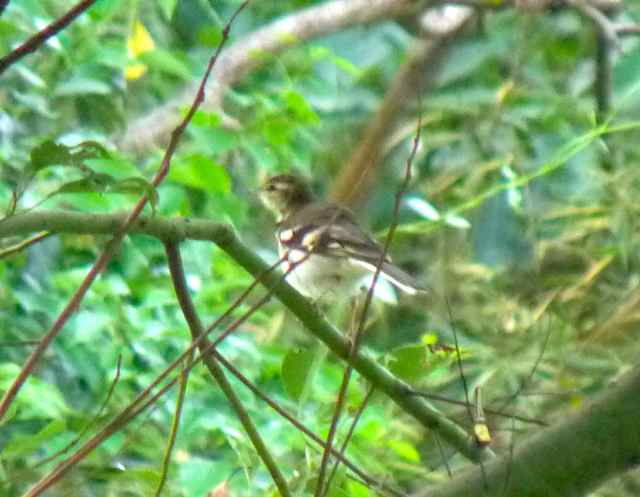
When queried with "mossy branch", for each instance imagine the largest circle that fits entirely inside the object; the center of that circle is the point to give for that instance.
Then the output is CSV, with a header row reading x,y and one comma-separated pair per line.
x,y
177,229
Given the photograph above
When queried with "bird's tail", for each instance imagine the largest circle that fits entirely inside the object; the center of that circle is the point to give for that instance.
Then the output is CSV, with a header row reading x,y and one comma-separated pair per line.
x,y
395,276
402,280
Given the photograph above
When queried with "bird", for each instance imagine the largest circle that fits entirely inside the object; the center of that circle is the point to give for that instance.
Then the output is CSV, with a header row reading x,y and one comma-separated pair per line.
x,y
324,249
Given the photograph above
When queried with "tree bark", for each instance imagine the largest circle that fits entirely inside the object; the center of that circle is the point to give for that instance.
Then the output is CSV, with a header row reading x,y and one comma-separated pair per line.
x,y
567,460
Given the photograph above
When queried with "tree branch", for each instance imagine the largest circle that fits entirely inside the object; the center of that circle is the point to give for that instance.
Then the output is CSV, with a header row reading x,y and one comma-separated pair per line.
x,y
416,75
36,41
222,234
245,56
196,329
118,235
568,459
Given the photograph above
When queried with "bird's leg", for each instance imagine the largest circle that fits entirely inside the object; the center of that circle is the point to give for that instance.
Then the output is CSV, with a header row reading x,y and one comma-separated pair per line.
x,y
357,308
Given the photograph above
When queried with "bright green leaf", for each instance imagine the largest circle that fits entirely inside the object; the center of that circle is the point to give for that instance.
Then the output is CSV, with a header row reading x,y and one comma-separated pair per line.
x,y
408,361
26,444
296,367
405,450
200,172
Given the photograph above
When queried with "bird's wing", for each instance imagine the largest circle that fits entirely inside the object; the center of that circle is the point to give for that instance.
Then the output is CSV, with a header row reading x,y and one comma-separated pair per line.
x,y
329,229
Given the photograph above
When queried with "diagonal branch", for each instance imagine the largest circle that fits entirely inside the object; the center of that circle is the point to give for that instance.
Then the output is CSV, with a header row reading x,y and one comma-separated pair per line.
x,y
247,55
36,41
119,233
339,455
196,328
417,74
311,318
570,458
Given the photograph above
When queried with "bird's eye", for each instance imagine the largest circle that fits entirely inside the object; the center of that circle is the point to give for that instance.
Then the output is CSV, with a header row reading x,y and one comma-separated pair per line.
x,y
270,187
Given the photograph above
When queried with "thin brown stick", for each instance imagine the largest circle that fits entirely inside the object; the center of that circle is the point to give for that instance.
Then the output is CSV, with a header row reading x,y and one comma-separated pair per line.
x,y
113,244
309,315
463,378
443,456
245,55
495,412
347,438
367,480
465,386
197,330
33,43
529,376
321,489
360,170
91,423
140,403
18,247
175,424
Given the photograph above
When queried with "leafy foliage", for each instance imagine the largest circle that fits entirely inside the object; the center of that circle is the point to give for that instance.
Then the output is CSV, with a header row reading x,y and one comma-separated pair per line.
x,y
522,212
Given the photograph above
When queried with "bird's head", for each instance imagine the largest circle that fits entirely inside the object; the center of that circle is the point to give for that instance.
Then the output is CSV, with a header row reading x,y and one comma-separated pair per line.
x,y
284,194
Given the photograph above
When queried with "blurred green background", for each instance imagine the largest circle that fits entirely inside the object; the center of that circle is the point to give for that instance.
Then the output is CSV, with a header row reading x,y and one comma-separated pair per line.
x,y
519,212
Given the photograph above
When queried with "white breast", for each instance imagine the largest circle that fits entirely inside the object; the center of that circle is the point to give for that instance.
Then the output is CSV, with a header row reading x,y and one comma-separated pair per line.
x,y
318,276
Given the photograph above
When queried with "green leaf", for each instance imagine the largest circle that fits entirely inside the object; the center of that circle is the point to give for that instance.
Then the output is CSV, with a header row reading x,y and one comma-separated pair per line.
x,y
82,86
299,107
49,153
408,361
167,7
202,173
94,183
137,185
89,149
26,444
118,167
405,450
296,367
165,61
357,489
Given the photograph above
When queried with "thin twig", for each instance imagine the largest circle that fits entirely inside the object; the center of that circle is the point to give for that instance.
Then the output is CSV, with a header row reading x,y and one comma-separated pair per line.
x,y
18,247
464,383
600,19
628,30
529,376
175,424
258,47
114,243
197,330
463,378
352,429
321,489
33,43
139,404
494,412
443,456
312,319
360,170
91,423
368,480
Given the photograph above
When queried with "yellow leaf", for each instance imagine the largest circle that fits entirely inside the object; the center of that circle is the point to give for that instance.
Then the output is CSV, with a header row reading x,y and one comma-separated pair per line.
x,y
138,43
134,71
140,40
